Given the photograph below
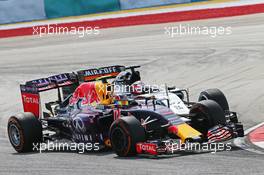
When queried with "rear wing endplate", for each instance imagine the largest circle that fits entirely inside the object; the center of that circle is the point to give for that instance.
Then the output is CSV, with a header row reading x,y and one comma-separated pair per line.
x,y
31,89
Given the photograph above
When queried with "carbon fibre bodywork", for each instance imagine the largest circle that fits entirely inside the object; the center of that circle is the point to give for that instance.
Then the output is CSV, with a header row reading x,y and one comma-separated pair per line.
x,y
86,110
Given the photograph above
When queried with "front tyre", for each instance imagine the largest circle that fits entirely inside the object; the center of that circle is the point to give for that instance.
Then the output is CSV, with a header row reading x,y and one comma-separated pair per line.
x,y
125,132
215,95
207,114
24,132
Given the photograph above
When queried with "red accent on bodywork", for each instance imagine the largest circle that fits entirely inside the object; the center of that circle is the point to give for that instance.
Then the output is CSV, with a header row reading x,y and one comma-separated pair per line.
x,y
117,113
31,103
173,129
87,91
149,148
137,89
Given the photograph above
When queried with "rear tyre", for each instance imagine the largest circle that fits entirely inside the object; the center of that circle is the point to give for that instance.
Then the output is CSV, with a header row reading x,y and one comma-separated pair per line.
x,y
207,114
24,132
215,95
125,132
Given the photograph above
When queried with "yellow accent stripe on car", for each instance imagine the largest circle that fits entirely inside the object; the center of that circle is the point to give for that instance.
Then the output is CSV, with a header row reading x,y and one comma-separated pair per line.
x,y
185,131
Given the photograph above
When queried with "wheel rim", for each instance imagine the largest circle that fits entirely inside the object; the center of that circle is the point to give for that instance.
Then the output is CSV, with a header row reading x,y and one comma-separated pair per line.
x,y
119,140
14,135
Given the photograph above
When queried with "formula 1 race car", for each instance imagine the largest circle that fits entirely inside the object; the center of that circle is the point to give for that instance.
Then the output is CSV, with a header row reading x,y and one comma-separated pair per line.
x,y
89,110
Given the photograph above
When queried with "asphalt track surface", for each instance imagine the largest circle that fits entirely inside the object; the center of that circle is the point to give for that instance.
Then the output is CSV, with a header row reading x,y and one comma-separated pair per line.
x,y
233,63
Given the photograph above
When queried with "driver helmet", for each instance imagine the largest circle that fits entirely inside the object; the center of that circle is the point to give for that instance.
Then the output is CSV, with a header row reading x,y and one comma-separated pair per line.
x,y
123,77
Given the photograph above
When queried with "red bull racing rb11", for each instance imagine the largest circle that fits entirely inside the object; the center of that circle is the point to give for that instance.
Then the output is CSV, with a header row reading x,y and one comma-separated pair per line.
x,y
89,109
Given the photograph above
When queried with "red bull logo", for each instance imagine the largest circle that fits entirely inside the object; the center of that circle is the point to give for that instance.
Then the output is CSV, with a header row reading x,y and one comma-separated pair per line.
x,y
87,92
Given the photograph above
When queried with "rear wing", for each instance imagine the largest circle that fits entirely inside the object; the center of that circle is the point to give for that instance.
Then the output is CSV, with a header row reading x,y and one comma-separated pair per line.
x,y
31,89
93,74
53,82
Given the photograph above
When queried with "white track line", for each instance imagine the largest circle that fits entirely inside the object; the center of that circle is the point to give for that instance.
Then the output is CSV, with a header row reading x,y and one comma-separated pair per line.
x,y
241,143
259,144
253,128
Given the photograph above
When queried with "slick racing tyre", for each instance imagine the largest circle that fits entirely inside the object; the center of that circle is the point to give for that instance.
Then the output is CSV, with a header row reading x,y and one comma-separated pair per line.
x,y
216,95
24,132
207,114
125,132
